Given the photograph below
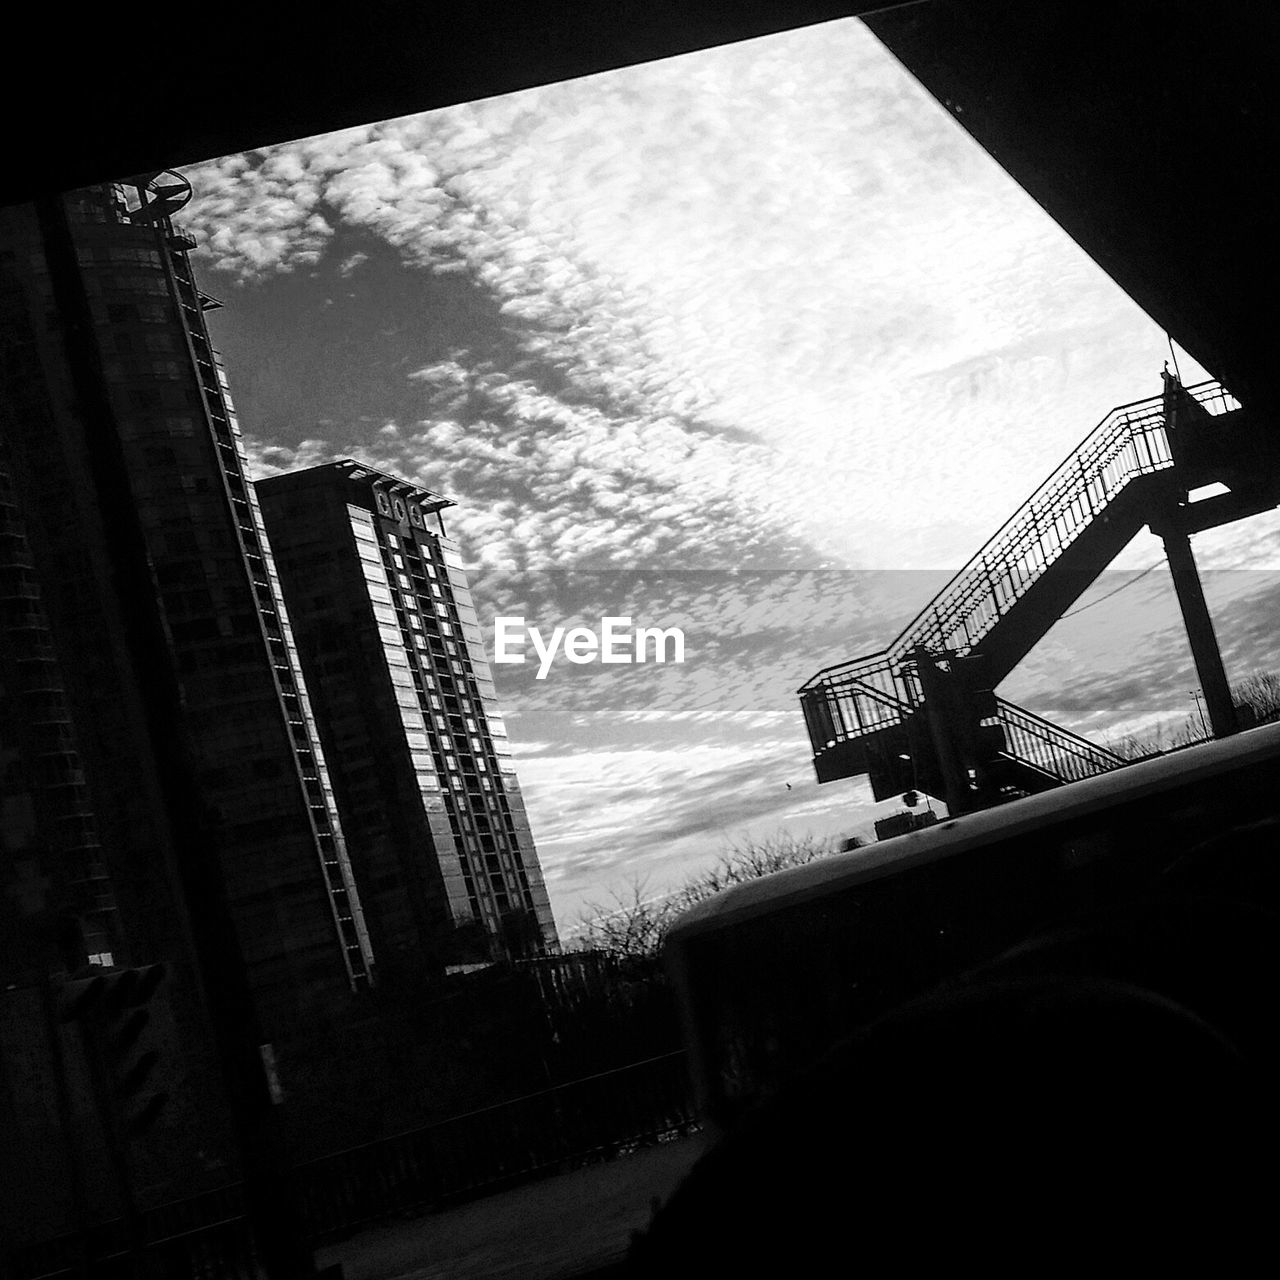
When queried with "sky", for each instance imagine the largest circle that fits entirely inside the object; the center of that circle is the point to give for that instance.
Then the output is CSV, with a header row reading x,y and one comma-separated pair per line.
x,y
755,342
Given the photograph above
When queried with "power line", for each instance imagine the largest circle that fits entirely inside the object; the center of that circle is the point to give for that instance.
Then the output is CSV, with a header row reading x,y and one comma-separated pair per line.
x,y
1114,591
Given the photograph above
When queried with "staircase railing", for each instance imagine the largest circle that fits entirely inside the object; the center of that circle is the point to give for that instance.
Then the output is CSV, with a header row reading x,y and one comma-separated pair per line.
x,y
847,707
1130,441
1055,751
854,699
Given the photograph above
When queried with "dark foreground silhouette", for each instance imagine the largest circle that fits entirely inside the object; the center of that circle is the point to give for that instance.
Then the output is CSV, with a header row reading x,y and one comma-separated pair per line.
x,y
1100,1099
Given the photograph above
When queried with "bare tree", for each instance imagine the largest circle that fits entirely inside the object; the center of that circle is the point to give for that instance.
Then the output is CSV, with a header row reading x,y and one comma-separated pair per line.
x,y
1157,741
635,923
1259,693
631,925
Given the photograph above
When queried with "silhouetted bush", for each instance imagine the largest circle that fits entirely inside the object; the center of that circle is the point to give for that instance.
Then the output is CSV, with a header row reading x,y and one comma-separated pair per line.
x,y
1258,695
635,925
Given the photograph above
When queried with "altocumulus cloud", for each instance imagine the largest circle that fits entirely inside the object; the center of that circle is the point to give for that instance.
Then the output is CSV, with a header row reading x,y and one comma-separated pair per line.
x,y
782,237
662,812
762,308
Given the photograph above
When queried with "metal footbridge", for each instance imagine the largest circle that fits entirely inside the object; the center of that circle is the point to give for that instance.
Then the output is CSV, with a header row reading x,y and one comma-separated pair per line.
x,y
923,713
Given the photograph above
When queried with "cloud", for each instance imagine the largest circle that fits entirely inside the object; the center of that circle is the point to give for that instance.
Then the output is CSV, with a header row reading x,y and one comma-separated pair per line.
x,y
668,810
782,244
739,324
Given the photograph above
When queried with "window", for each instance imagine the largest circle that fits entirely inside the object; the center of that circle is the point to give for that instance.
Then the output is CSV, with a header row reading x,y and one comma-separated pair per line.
x,y
361,522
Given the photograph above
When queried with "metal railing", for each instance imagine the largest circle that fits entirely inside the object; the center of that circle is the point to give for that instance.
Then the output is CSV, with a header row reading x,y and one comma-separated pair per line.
x,y
847,707
560,1127
850,706
869,694
1055,751
1130,441
196,1239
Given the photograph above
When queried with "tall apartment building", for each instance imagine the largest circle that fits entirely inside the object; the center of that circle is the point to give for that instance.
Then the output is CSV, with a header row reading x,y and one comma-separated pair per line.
x,y
164,795
405,703
162,596
164,789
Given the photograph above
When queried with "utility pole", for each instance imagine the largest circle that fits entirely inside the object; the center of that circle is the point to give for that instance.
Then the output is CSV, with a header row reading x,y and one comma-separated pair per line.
x,y
1196,694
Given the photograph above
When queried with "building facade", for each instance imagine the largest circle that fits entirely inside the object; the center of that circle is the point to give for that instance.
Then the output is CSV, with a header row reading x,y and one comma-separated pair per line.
x,y
405,702
124,437
167,824
164,796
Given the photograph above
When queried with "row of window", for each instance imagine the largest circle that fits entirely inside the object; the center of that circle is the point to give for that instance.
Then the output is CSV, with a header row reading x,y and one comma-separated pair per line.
x,y
468,783
88,253
411,588
112,285
139,311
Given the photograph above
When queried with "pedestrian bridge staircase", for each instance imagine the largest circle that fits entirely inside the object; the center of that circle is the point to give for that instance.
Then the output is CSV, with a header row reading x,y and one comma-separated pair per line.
x,y
869,716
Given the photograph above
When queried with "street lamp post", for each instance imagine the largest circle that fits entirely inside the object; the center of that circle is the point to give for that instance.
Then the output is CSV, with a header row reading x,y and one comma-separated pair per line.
x,y
1198,696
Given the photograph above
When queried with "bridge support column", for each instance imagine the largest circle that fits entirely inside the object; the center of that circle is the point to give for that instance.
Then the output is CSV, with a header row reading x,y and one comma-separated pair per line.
x,y
942,714
1200,633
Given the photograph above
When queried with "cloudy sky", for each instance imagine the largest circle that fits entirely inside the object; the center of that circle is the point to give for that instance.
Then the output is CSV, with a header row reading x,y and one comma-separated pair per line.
x,y
754,342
